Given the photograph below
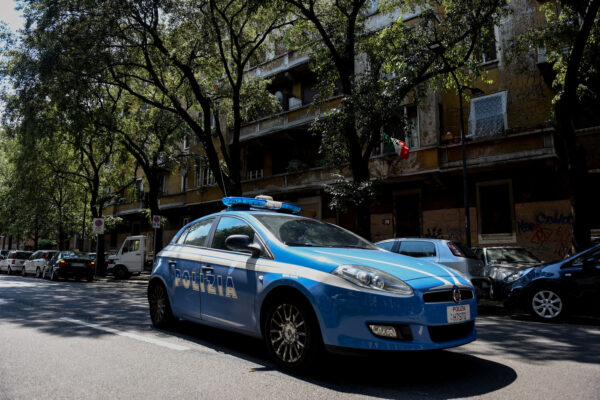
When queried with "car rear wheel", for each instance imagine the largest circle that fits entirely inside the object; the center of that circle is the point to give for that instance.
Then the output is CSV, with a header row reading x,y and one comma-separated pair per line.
x,y
547,304
291,334
160,308
38,273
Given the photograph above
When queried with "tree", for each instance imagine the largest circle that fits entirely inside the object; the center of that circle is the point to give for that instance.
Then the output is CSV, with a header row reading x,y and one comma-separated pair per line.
x,y
172,55
354,55
571,36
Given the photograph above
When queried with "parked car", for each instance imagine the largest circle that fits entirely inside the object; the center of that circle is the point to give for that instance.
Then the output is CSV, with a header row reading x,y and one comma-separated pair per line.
x,y
37,262
446,252
500,262
550,291
3,254
302,284
14,261
70,264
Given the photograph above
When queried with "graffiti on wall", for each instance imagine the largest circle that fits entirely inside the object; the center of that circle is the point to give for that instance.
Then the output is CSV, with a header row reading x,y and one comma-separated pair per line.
x,y
439,233
548,234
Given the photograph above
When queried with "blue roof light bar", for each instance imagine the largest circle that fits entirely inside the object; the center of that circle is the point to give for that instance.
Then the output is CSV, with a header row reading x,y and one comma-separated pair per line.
x,y
233,203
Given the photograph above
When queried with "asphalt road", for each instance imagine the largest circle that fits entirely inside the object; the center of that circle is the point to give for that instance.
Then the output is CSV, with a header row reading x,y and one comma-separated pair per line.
x,y
79,340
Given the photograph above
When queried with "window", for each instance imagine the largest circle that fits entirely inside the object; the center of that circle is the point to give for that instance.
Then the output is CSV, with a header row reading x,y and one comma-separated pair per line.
x,y
495,212
386,245
163,184
488,115
184,179
486,51
198,233
417,248
186,143
230,226
203,175
131,245
405,127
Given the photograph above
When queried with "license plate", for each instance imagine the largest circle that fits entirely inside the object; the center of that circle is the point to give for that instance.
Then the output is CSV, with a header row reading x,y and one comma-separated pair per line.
x,y
77,264
458,313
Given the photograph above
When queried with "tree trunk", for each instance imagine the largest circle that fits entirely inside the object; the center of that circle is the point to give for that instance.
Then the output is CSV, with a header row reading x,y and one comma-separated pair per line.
x,y
577,173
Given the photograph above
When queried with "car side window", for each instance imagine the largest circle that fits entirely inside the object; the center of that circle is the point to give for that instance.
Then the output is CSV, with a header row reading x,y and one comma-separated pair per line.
x,y
387,245
198,233
230,226
417,248
578,262
134,245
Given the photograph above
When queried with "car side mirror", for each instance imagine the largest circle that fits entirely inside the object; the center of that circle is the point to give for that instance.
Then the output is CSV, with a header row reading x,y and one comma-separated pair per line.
x,y
242,243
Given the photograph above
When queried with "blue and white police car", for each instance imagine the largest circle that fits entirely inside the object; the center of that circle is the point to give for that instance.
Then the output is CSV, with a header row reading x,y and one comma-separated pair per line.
x,y
260,269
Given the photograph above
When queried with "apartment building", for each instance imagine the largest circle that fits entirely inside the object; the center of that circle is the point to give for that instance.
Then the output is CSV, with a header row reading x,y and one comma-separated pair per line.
x,y
517,194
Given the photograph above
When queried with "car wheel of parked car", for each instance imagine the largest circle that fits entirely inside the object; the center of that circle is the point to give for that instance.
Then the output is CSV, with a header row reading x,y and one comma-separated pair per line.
x,y
291,333
9,271
53,275
160,309
121,272
38,273
547,304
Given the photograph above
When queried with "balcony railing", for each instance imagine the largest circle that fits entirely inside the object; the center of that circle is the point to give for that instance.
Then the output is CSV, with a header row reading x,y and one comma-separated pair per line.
x,y
286,120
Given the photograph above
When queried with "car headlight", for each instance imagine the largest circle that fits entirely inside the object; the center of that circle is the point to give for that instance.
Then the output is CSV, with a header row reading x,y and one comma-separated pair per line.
x,y
517,275
501,273
373,278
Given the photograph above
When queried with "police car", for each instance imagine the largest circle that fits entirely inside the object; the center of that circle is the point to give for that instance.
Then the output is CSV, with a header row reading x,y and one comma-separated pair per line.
x,y
301,284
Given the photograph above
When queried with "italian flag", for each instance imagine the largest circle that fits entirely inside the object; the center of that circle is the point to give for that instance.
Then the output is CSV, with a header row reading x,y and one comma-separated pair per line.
x,y
399,146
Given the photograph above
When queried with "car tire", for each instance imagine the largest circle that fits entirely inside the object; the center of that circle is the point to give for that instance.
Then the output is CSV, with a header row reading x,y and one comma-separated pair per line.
x,y
53,275
121,272
547,304
38,273
160,308
291,333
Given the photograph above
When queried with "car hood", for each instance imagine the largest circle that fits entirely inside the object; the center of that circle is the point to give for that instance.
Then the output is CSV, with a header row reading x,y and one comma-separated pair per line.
x,y
409,269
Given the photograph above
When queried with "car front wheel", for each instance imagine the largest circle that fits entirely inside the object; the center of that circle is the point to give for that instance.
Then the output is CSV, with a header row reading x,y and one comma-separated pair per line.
x,y
291,334
547,304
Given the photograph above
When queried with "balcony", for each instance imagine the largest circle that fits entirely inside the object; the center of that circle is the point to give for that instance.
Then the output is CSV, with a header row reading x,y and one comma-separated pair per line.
x,y
286,120
530,145
279,64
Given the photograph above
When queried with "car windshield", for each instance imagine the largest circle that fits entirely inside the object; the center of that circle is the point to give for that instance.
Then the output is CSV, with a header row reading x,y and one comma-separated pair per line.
x,y
511,255
74,254
294,231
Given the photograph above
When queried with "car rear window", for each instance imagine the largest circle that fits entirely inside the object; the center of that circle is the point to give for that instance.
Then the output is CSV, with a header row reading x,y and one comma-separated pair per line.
x,y
23,255
417,248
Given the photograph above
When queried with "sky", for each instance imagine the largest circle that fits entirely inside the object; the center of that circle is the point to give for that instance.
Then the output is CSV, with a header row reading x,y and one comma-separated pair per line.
x,y
9,15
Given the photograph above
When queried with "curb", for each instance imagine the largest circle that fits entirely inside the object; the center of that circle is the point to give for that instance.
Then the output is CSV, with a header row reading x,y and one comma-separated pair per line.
x,y
139,281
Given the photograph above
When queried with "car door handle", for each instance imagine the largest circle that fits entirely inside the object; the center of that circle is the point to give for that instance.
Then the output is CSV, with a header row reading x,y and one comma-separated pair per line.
x,y
206,269
172,263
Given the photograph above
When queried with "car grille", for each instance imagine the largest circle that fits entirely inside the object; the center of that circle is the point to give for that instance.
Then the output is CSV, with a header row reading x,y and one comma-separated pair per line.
x,y
444,296
446,333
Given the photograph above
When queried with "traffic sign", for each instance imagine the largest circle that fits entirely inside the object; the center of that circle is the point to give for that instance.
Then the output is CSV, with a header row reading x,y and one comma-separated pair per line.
x,y
98,226
156,221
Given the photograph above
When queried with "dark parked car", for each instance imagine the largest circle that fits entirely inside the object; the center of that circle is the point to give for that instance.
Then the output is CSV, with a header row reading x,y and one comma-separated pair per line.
x,y
70,264
501,262
550,291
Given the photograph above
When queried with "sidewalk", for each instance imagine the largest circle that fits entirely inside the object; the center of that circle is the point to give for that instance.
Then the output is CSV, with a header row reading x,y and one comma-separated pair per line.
x,y
141,279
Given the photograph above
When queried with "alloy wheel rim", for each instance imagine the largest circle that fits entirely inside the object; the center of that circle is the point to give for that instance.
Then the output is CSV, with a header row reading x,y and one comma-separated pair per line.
x,y
158,303
287,333
547,304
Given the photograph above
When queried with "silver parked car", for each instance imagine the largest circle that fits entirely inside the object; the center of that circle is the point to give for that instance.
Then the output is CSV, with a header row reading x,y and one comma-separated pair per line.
x,y
37,262
446,252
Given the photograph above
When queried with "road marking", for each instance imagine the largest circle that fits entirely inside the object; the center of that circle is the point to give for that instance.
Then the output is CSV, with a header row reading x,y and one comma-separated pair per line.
x,y
128,334
2,301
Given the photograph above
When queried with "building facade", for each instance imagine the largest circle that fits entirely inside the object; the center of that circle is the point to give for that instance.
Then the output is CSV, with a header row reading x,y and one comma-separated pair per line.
x,y
517,192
